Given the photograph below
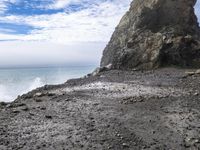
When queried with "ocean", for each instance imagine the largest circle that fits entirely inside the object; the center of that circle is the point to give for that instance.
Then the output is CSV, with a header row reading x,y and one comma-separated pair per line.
x,y
18,81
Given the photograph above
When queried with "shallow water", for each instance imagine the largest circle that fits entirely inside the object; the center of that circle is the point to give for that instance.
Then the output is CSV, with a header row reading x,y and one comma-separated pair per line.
x,y
14,82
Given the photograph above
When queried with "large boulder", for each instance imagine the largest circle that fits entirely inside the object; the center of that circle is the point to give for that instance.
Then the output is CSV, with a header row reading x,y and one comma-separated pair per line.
x,y
155,33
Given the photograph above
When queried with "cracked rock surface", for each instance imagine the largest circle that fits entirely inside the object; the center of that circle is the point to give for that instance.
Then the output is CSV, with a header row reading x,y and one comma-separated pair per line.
x,y
155,33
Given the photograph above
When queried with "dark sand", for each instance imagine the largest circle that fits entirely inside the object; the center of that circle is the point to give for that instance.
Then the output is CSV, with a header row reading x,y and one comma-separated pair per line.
x,y
114,110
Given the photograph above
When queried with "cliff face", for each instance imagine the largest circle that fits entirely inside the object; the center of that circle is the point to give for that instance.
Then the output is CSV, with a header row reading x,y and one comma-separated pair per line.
x,y
155,33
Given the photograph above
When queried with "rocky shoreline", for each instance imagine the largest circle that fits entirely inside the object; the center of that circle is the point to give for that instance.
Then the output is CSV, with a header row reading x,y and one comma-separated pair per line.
x,y
113,108
158,109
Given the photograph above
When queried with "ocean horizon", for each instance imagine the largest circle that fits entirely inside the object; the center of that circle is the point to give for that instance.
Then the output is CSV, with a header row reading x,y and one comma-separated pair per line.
x,y
15,81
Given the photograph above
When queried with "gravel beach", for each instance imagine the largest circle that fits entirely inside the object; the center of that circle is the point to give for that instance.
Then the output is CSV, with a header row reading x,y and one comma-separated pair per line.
x,y
158,109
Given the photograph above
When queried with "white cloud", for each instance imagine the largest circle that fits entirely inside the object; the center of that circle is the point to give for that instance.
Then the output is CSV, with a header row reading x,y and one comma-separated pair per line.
x,y
95,23
14,53
58,4
3,5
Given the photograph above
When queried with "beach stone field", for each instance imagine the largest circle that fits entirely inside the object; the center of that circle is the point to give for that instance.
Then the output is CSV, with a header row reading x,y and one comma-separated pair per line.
x,y
131,110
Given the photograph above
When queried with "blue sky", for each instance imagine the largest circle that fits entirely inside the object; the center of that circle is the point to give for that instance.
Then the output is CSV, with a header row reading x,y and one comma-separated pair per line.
x,y
60,21
30,28
56,31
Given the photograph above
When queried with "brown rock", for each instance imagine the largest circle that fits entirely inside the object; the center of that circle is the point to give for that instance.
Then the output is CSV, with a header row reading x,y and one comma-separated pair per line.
x,y
155,33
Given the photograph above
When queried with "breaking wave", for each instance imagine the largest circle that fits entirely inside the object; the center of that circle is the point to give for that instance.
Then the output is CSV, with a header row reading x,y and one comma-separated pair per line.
x,y
9,93
14,82
37,82
4,95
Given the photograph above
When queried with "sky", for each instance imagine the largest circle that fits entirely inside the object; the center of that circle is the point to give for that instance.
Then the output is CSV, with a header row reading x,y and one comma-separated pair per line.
x,y
48,32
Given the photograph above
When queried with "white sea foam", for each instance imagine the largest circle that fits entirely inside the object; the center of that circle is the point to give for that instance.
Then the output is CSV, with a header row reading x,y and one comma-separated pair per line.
x,y
14,82
4,94
9,93
36,83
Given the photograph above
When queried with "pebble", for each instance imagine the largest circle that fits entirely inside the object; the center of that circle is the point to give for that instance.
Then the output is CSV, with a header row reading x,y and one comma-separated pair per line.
x,y
190,142
32,114
197,71
16,111
43,108
38,100
38,94
118,135
51,94
125,145
48,116
190,73
25,109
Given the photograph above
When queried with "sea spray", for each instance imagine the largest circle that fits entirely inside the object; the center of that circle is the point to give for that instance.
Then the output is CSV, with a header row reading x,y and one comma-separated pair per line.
x,y
36,83
4,94
14,82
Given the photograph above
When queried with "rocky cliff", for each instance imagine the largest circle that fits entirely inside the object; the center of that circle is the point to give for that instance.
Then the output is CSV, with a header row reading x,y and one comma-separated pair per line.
x,y
155,33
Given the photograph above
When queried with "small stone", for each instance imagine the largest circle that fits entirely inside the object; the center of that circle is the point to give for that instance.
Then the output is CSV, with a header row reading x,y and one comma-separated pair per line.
x,y
190,73
125,145
191,141
20,104
118,135
144,147
186,145
196,141
197,71
48,116
134,143
43,108
81,145
38,94
25,109
51,94
32,114
16,111
38,100
9,106
184,76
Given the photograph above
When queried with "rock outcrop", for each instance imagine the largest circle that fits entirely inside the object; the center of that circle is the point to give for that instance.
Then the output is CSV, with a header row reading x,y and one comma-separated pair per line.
x,y
155,33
